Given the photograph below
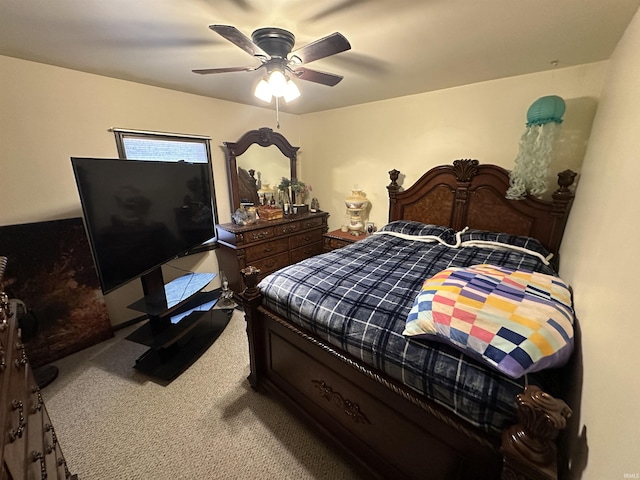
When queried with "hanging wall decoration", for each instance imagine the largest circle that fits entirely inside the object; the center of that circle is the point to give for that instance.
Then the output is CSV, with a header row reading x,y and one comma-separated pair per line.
x,y
529,175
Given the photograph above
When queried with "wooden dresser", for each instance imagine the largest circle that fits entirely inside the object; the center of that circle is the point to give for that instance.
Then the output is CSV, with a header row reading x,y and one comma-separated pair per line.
x,y
269,245
29,447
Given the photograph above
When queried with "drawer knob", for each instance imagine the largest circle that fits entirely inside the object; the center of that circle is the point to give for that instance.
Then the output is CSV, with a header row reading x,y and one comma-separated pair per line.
x,y
5,312
54,438
38,456
23,355
40,403
63,463
14,434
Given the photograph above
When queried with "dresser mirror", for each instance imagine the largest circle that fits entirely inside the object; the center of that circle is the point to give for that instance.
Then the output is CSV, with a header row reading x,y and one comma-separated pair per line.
x,y
258,160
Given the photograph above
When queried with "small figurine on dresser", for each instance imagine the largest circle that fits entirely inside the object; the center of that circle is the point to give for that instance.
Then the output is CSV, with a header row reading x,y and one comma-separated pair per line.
x,y
315,205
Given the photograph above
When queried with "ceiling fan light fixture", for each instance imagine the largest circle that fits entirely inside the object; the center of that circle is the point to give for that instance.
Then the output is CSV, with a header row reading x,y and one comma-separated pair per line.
x,y
263,91
291,91
278,83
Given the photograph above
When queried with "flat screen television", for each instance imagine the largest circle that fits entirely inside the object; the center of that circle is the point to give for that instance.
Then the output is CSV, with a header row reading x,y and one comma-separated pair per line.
x,y
139,214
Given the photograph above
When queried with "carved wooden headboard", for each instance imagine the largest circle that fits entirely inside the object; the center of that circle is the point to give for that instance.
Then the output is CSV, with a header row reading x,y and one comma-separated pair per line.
x,y
469,194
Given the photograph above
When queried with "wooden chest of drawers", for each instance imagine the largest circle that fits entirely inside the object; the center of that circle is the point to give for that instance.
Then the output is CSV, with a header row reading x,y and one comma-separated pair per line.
x,y
269,245
29,447
338,239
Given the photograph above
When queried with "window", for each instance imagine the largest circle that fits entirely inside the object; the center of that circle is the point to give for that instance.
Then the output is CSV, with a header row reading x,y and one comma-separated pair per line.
x,y
139,145
144,145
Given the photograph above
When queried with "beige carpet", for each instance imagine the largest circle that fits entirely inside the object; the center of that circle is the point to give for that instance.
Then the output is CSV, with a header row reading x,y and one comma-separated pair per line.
x,y
115,423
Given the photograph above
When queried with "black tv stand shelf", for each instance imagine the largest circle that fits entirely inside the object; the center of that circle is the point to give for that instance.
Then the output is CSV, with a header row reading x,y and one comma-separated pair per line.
x,y
181,326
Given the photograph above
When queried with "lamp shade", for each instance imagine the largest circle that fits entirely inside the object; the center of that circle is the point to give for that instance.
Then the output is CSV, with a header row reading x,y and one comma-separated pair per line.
x,y
545,110
263,91
291,91
278,83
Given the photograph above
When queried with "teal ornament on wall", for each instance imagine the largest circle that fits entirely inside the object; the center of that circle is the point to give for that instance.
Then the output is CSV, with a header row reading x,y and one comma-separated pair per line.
x,y
545,110
529,175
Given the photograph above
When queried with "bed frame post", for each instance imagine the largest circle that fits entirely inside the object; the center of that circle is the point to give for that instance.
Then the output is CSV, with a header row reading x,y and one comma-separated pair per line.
x,y
528,448
251,300
562,200
393,189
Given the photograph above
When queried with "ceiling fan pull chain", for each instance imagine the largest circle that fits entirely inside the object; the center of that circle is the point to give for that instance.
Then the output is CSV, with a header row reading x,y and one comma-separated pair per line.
x,y
277,115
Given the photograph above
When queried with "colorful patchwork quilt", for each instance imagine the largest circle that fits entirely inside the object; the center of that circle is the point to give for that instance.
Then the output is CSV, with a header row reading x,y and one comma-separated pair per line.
x,y
516,321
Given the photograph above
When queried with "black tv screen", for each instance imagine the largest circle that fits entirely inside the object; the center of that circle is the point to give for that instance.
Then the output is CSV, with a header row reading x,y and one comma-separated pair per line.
x,y
141,214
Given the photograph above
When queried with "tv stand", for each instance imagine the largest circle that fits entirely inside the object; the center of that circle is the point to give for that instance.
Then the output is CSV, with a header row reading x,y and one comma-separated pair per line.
x,y
181,326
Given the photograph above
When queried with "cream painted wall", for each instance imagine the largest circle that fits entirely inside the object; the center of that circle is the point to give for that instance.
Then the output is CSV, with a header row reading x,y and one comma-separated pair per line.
x,y
49,114
359,145
598,261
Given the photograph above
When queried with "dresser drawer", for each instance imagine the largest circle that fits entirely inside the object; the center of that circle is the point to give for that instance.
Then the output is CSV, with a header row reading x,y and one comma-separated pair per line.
x,y
271,264
265,249
306,238
312,222
307,251
333,243
288,228
259,234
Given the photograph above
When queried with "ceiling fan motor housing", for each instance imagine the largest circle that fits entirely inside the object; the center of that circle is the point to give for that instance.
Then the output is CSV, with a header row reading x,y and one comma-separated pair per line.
x,y
275,41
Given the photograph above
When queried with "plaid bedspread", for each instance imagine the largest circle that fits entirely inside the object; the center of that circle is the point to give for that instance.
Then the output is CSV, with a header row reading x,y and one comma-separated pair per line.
x,y
358,298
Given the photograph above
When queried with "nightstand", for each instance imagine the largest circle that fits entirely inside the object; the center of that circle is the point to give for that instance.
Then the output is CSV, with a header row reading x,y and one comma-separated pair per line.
x,y
338,239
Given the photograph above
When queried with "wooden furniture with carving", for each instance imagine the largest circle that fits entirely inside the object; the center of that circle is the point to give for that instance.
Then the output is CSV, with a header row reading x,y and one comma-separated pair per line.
x,y
263,137
29,446
269,245
338,239
389,429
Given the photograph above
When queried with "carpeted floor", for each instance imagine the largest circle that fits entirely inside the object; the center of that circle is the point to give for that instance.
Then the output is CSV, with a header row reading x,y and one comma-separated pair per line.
x,y
114,423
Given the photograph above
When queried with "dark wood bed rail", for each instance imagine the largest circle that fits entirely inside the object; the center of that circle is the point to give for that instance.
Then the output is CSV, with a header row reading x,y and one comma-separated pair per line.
x,y
468,194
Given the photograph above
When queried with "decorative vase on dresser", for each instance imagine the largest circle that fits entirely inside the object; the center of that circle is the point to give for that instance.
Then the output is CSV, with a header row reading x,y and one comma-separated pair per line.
x,y
269,244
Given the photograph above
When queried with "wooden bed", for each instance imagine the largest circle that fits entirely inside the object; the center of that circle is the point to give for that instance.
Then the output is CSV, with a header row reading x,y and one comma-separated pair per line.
x,y
387,429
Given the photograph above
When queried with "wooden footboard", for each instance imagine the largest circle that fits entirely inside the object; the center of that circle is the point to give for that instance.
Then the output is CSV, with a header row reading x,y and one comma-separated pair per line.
x,y
385,428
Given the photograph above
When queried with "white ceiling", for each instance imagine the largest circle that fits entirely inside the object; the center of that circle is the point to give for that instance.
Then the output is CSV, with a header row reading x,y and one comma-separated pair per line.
x,y
399,47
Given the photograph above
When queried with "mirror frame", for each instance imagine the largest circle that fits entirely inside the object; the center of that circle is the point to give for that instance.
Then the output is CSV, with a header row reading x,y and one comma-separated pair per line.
x,y
265,137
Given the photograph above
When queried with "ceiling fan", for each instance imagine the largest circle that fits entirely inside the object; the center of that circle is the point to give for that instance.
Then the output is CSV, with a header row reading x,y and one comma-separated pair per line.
x,y
272,46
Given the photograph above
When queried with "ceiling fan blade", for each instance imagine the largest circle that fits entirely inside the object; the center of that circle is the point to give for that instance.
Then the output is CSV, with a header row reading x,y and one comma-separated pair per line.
x,y
239,39
205,71
316,76
324,47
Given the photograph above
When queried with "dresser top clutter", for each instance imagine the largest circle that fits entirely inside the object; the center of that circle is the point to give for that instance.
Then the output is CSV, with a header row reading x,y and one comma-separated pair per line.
x,y
290,220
